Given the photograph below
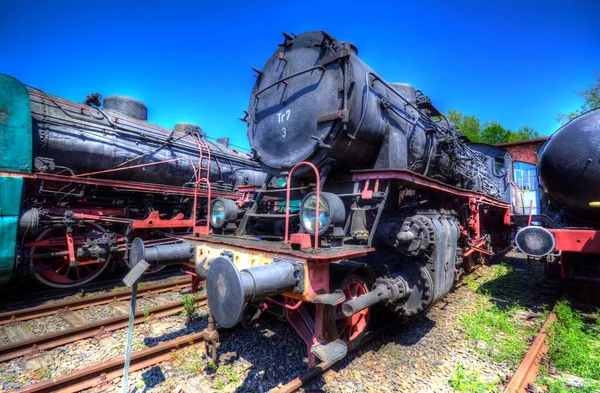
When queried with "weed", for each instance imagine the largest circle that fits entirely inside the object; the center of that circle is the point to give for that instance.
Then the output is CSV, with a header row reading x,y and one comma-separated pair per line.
x,y
46,372
469,381
473,286
230,372
219,384
189,304
574,346
193,362
211,365
138,345
115,289
502,269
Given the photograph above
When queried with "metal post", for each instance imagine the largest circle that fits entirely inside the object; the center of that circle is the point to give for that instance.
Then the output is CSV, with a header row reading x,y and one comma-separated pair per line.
x,y
129,337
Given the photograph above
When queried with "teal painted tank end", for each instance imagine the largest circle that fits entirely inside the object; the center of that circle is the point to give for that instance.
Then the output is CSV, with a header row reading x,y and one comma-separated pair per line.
x,y
15,156
15,126
11,191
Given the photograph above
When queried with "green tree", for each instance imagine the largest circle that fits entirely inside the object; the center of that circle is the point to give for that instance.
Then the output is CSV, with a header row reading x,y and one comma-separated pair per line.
x,y
591,100
493,133
522,134
468,124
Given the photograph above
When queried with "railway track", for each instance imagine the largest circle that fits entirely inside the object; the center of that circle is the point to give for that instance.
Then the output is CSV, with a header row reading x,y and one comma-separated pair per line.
x,y
45,310
31,292
97,329
102,373
522,379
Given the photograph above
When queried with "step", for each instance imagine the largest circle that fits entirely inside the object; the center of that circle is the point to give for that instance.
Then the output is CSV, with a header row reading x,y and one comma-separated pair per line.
x,y
330,352
332,299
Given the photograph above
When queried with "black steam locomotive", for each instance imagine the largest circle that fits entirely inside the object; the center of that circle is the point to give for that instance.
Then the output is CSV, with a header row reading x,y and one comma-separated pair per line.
x,y
78,180
380,200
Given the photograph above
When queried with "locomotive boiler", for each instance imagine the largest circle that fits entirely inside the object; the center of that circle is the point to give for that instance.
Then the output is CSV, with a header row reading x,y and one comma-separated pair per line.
x,y
95,175
316,101
567,234
569,167
379,201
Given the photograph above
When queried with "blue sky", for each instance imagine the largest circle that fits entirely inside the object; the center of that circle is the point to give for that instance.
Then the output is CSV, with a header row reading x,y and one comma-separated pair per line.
x,y
517,62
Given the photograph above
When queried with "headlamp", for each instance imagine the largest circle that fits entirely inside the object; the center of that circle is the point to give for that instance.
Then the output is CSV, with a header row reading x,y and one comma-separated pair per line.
x,y
331,212
222,211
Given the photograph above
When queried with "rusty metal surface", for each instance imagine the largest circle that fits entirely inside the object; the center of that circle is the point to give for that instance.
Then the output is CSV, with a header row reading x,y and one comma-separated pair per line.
x,y
95,329
528,369
96,300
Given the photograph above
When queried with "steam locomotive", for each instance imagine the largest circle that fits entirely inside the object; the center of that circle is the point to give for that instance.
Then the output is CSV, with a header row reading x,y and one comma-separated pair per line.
x,y
77,181
373,197
566,236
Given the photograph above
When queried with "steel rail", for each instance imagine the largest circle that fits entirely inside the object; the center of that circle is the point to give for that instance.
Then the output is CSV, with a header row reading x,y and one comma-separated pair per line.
x,y
55,293
323,367
96,329
102,373
95,300
522,379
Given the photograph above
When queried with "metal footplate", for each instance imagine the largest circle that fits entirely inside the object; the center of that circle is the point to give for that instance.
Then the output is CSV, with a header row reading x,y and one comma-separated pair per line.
x,y
330,352
331,299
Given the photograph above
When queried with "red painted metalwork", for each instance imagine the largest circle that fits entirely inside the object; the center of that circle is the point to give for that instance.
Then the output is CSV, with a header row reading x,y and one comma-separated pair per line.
x,y
202,230
285,305
122,185
154,221
418,179
349,328
586,241
318,277
287,201
70,248
473,220
304,325
300,239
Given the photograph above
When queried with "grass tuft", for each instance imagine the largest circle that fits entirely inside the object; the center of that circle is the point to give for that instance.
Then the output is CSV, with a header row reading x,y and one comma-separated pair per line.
x,y
574,345
558,386
504,337
189,305
469,381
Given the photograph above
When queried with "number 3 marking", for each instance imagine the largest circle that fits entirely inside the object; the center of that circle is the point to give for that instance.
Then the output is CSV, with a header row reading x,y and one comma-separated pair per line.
x,y
283,132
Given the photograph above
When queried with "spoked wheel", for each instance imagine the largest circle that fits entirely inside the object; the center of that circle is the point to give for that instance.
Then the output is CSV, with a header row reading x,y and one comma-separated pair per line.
x,y
57,271
349,329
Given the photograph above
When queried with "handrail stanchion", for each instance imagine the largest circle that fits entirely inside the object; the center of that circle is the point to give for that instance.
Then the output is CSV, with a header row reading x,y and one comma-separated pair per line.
x,y
287,202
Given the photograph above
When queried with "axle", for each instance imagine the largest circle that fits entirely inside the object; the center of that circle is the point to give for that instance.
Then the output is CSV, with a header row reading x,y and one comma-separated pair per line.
x,y
386,289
